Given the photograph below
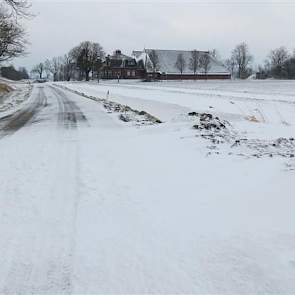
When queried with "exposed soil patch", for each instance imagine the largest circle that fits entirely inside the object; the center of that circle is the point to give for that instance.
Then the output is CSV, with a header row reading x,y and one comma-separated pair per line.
x,y
223,138
128,114
4,88
208,122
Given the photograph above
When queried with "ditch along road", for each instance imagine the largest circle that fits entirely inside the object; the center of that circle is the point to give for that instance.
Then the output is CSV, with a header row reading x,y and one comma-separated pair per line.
x,y
89,205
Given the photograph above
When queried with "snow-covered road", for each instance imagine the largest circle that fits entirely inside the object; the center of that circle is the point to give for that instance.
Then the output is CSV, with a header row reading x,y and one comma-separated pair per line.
x,y
90,205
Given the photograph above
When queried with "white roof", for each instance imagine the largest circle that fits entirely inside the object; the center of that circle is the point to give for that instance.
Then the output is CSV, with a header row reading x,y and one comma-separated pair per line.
x,y
167,60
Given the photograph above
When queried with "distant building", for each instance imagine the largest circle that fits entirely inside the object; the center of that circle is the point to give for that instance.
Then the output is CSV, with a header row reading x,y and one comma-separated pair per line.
x,y
120,66
167,70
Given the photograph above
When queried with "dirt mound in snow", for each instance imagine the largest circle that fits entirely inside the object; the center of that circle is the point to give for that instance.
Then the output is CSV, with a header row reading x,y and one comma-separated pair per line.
x,y
208,122
130,115
4,88
127,114
224,139
284,147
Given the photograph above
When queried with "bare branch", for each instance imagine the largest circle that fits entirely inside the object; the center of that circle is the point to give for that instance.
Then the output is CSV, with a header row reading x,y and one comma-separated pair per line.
x,y
12,38
180,63
17,7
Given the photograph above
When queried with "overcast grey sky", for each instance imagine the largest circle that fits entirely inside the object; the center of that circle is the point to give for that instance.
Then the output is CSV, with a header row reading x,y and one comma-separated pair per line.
x,y
130,25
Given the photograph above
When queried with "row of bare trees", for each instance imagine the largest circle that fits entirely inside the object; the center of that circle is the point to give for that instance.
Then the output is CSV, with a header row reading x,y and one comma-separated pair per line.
x,y
239,64
84,61
12,34
280,64
240,61
9,72
199,61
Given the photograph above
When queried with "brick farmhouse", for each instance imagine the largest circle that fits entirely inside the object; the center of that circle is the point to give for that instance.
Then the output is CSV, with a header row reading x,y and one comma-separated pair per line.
x,y
140,66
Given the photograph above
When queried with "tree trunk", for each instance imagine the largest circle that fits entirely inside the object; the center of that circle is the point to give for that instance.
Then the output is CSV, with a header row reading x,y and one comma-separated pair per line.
x,y
87,75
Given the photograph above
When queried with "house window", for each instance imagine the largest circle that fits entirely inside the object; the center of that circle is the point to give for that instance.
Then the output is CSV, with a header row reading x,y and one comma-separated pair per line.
x,y
128,73
133,73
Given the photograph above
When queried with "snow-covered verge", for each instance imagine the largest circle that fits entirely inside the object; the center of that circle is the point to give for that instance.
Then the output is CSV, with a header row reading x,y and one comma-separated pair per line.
x,y
4,88
12,97
127,114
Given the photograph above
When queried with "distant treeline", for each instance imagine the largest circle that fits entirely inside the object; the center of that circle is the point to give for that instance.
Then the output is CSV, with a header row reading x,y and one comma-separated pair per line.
x,y
12,74
85,61
279,65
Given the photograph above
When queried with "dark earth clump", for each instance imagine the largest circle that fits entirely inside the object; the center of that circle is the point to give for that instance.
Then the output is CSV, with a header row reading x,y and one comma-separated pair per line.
x,y
222,135
208,122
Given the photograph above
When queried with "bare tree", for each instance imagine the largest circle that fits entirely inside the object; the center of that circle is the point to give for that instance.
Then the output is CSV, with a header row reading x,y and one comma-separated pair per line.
x,y
180,63
154,60
69,67
194,62
39,69
242,57
53,67
74,56
205,63
97,54
277,58
230,64
87,57
12,37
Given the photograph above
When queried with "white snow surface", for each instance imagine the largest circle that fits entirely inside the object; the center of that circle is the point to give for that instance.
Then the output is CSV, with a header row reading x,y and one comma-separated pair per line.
x,y
14,99
91,205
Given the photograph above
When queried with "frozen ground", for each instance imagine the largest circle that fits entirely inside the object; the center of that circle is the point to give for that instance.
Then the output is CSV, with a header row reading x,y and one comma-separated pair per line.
x,y
90,204
259,111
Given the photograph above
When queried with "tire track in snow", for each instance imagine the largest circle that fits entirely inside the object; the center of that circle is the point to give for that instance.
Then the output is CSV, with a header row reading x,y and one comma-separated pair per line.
x,y
69,113
16,121
41,252
67,193
282,119
67,190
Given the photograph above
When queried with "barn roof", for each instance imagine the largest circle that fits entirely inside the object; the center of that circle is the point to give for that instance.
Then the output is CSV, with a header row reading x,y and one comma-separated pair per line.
x,y
167,60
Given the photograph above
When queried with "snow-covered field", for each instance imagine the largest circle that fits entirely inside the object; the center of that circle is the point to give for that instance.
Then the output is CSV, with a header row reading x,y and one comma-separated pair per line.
x,y
90,204
260,111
